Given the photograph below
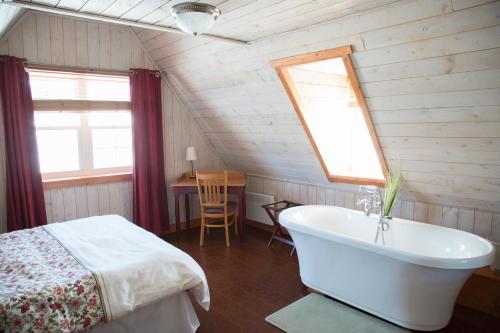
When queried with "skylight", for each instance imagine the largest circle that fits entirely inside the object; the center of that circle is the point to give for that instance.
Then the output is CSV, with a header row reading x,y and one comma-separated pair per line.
x,y
325,93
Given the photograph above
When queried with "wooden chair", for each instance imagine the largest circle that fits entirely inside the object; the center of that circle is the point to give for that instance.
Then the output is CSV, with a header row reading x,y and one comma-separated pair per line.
x,y
214,204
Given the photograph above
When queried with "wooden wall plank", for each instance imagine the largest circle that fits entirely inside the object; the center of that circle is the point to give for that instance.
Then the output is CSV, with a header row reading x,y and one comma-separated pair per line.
x,y
43,39
104,199
56,40
69,41
57,202
48,208
104,46
435,214
482,223
495,225
115,53
396,210
114,201
93,200
93,44
450,217
29,39
466,219
82,51
16,43
82,208
330,197
407,209
69,203
421,212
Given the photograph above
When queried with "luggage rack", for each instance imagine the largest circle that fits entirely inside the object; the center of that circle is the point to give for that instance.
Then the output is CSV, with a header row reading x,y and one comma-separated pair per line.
x,y
273,210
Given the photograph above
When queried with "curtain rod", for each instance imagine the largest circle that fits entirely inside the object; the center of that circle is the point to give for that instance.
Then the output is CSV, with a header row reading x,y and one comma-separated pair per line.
x,y
94,17
82,70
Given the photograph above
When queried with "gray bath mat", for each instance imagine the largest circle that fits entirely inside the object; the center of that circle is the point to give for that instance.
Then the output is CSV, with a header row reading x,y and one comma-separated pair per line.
x,y
318,314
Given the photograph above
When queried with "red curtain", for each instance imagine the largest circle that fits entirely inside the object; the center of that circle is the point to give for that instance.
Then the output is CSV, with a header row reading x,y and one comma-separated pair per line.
x,y
150,191
25,202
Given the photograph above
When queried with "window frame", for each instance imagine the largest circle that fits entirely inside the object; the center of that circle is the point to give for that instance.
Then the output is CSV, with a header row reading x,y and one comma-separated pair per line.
x,y
281,66
85,150
86,174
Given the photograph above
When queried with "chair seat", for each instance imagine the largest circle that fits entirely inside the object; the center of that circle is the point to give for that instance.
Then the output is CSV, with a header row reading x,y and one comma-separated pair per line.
x,y
231,206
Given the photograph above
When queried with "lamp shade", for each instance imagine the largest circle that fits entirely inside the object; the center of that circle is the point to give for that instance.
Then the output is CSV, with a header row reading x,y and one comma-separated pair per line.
x,y
195,17
190,154
195,22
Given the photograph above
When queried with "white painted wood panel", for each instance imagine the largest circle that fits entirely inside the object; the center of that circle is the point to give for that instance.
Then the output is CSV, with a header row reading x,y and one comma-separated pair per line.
x,y
63,41
429,70
9,15
471,220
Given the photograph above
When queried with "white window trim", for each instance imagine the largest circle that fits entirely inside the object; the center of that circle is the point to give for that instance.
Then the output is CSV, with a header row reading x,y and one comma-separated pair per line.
x,y
85,151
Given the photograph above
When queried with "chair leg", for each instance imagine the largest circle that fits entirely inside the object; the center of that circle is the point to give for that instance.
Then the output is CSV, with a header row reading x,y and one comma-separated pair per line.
x,y
208,231
226,227
202,230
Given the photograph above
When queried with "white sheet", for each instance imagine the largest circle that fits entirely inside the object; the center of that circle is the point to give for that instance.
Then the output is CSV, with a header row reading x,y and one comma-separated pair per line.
x,y
174,314
133,266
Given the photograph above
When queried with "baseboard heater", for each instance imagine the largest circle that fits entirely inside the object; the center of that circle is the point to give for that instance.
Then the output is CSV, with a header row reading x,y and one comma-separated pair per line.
x,y
255,212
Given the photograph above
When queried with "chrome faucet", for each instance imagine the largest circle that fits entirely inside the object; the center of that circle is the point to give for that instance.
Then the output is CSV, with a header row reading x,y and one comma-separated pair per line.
x,y
370,203
382,225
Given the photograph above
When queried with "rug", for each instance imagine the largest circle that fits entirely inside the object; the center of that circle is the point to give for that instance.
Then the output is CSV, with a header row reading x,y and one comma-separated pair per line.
x,y
317,314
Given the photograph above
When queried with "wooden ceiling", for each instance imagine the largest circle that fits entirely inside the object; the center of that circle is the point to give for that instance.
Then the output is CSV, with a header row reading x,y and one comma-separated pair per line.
x,y
241,19
429,69
8,15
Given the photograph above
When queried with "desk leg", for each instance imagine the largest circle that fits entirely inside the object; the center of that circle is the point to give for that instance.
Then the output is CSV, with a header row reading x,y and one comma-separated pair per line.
x,y
242,213
177,215
186,206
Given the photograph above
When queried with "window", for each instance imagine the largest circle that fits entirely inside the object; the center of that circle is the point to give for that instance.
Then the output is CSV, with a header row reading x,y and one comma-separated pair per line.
x,y
325,93
83,123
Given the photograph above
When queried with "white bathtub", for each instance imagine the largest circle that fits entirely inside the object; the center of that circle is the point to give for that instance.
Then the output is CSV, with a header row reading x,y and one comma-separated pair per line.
x,y
412,281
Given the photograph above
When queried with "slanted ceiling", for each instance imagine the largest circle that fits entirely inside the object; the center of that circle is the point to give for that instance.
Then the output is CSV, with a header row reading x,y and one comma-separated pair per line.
x,y
8,15
430,71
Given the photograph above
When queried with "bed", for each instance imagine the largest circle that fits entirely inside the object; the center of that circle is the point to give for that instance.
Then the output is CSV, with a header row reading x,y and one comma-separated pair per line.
x,y
98,274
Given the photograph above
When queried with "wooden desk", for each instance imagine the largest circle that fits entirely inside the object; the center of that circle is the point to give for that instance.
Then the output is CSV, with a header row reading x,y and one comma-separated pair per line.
x,y
186,186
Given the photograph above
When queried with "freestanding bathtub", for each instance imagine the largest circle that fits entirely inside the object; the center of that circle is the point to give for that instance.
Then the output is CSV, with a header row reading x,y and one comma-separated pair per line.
x,y
412,281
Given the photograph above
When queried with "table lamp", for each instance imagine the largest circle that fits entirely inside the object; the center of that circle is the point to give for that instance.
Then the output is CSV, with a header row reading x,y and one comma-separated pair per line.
x,y
191,156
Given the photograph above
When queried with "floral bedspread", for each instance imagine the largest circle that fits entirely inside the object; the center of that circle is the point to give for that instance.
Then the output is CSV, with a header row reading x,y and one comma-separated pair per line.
x,y
43,288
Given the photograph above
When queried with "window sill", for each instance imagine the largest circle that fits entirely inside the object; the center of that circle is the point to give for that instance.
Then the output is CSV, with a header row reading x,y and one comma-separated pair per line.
x,y
86,180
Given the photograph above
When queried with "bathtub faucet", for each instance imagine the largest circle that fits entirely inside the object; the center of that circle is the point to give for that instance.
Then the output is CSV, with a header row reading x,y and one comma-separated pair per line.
x,y
382,225
370,203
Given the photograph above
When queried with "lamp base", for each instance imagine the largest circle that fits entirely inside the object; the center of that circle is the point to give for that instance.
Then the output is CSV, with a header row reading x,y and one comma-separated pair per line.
x,y
193,174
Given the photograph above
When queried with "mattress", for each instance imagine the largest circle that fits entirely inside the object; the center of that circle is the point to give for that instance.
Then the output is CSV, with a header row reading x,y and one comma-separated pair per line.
x,y
73,276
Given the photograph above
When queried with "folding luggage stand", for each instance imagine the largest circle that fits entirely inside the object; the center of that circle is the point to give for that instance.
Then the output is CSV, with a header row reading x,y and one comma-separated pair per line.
x,y
273,210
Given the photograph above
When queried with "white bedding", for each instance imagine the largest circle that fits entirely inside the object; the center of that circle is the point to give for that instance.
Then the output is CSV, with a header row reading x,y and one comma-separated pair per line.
x,y
173,314
133,266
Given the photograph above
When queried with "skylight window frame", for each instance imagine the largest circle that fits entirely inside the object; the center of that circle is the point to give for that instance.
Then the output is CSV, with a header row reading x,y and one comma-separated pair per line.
x,y
281,66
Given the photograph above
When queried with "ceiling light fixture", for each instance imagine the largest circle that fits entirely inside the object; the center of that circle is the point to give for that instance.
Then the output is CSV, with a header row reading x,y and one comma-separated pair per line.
x,y
194,17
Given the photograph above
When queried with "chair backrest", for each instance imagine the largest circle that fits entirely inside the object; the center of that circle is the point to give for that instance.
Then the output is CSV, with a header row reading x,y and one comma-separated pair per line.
x,y
210,185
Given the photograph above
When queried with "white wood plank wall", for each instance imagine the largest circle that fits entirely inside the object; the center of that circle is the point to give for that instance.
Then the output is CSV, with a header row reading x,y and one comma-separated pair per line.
x,y
472,220
54,40
430,70
71,203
